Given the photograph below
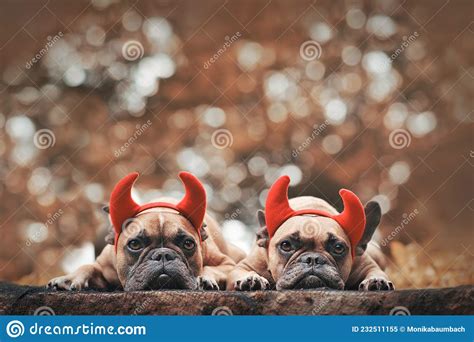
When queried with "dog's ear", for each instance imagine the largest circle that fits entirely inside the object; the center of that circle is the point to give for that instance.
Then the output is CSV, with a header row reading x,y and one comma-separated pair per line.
x,y
203,232
373,214
262,233
110,237
261,218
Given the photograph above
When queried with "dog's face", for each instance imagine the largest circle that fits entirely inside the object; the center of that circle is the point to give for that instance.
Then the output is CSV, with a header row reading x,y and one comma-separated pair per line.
x,y
159,249
309,252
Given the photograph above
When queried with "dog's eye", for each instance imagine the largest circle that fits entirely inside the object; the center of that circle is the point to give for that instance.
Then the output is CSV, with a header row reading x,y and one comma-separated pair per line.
x,y
339,249
189,244
135,245
286,246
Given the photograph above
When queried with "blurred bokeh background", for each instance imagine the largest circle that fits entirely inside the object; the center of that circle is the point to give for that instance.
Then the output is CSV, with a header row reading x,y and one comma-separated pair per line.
x,y
375,96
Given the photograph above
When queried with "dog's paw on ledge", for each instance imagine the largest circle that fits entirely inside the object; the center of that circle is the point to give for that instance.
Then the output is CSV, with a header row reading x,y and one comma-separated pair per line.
x,y
26,300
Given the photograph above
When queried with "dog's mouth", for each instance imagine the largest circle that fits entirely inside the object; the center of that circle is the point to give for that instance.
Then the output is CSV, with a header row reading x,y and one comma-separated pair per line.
x,y
164,281
312,279
156,276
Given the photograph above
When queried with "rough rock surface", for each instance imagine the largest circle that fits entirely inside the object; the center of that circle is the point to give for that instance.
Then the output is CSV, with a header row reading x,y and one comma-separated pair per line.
x,y
24,300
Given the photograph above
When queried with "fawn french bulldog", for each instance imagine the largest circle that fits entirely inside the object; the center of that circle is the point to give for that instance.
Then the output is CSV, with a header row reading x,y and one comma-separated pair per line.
x,y
305,243
160,245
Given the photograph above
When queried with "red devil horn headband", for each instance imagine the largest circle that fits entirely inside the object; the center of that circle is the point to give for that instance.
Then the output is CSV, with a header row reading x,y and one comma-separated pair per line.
x,y
278,210
123,207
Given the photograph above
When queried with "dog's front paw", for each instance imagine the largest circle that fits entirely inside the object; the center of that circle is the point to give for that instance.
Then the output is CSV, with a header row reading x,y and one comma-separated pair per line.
x,y
376,284
252,282
207,284
70,282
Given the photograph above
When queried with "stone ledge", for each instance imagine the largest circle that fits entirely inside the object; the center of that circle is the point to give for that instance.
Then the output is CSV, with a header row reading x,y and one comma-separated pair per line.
x,y
24,300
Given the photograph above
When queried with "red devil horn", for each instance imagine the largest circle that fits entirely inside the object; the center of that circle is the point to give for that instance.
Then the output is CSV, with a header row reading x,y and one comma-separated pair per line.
x,y
352,218
193,204
277,207
122,206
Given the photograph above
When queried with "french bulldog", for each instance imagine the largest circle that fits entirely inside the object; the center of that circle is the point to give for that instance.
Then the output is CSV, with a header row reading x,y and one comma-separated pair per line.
x,y
160,245
305,243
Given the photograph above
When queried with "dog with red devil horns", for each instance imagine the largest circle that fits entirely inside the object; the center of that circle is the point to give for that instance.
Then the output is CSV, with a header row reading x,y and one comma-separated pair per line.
x,y
167,244
305,243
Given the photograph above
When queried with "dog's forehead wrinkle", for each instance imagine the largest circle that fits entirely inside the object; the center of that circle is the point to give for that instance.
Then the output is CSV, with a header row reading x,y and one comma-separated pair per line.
x,y
164,226
142,233
182,233
160,229
295,235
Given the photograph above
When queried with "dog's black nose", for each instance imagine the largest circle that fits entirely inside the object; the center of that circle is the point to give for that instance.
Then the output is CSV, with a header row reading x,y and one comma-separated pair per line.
x,y
313,259
163,254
